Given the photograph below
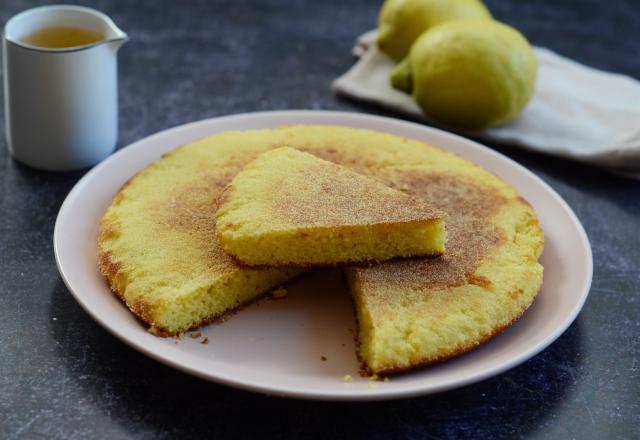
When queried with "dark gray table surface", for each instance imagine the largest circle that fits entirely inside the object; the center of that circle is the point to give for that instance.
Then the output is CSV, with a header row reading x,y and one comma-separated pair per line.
x,y
63,376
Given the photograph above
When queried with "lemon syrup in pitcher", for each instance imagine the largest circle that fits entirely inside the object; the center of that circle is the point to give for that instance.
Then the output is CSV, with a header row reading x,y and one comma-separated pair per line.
x,y
58,37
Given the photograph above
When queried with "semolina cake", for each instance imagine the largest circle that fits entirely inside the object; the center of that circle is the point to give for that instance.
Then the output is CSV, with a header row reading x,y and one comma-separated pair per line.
x,y
289,208
159,249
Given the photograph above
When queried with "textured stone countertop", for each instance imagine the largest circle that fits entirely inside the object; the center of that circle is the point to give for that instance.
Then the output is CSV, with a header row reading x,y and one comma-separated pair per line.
x,y
63,376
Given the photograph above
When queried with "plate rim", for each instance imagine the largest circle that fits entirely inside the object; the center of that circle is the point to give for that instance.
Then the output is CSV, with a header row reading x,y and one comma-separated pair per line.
x,y
349,118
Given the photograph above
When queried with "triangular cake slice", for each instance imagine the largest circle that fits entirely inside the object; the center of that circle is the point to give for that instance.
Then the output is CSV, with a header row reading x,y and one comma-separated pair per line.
x,y
290,208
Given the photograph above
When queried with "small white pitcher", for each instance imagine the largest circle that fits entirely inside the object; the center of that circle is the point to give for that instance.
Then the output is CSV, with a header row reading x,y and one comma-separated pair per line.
x,y
61,105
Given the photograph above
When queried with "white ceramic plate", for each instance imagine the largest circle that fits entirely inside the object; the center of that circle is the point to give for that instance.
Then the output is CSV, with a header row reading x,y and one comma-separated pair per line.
x,y
276,346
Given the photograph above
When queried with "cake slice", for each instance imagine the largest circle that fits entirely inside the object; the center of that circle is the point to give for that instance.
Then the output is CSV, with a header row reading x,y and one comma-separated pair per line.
x,y
290,208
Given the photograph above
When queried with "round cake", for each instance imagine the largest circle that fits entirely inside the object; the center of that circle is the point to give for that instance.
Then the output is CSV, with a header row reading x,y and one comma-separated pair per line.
x,y
158,247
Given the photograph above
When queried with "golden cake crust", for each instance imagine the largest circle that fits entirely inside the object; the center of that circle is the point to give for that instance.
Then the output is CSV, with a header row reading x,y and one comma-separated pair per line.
x,y
343,198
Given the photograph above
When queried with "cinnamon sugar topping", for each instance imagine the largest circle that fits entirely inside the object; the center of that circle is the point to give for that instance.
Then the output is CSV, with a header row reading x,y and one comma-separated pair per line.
x,y
470,234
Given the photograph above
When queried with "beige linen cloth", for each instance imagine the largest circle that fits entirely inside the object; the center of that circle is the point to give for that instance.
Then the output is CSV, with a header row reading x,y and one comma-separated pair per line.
x,y
576,111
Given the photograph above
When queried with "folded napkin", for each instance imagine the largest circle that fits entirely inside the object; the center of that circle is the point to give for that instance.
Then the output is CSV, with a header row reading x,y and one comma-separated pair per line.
x,y
576,111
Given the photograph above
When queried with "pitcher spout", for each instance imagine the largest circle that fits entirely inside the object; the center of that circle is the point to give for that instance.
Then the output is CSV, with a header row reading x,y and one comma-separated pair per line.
x,y
116,41
115,36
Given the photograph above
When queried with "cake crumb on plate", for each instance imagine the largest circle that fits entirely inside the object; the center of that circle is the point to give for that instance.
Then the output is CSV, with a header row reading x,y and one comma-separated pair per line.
x,y
280,293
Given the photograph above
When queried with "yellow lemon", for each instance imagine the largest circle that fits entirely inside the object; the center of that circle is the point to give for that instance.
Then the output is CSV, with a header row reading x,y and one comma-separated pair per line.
x,y
401,22
471,74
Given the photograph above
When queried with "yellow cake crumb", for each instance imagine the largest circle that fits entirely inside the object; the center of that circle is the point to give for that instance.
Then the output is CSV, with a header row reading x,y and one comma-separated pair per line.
x,y
347,378
279,293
